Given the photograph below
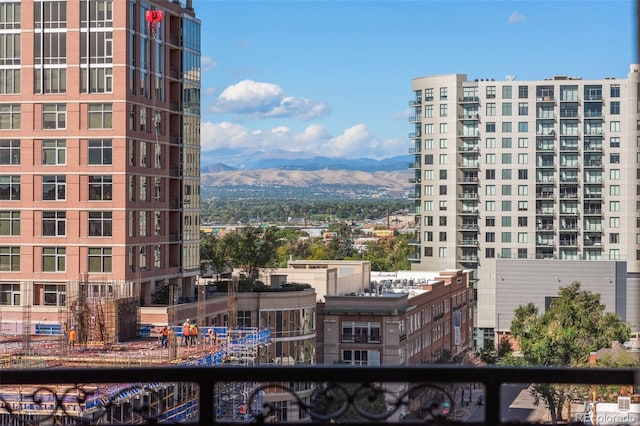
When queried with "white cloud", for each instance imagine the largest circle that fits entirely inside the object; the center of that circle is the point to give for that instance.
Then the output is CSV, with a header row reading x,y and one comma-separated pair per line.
x,y
404,114
207,63
356,141
516,18
266,100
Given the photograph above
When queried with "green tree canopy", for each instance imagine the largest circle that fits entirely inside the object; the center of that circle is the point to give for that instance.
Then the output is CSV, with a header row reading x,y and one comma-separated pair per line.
x,y
575,325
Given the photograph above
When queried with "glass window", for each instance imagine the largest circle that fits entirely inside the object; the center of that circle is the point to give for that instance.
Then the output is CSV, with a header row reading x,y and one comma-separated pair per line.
x,y
9,187
615,91
9,116
523,174
10,152
54,187
490,174
522,221
54,152
523,190
506,206
54,295
490,127
443,110
428,94
523,108
506,189
506,108
443,93
505,253
614,107
9,293
506,142
490,142
506,173
100,116
506,158
54,116
490,237
100,259
491,108
490,189
491,92
506,92
490,221
100,188
10,259
54,223
506,221
615,126
10,223
523,126
54,259
428,111
614,142
523,92
100,224
443,127
100,151
523,142
506,127
523,237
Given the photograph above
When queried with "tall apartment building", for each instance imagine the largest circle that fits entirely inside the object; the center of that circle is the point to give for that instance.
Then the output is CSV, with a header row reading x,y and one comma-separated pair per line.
x,y
533,170
99,148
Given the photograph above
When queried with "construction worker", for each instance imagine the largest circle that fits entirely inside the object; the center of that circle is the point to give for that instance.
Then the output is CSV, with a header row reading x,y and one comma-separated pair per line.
x,y
212,336
73,335
186,333
164,337
194,333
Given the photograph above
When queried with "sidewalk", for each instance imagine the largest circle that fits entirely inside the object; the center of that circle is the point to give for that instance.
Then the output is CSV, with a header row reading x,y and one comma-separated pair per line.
x,y
464,410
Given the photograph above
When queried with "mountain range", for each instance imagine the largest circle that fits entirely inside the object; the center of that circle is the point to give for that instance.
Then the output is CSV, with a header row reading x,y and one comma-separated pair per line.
x,y
227,159
233,168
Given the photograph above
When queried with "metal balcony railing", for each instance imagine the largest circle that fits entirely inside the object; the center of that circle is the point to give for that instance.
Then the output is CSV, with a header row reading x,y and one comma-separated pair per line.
x,y
430,393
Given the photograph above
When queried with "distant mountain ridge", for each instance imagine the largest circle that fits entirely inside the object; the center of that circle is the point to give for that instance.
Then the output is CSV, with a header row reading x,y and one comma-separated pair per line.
x,y
241,172
226,159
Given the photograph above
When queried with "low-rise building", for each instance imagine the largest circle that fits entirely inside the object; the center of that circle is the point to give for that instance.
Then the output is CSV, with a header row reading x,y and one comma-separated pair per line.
x,y
408,324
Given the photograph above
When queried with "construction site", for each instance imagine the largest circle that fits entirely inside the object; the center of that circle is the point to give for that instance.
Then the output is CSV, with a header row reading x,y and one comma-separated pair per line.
x,y
98,326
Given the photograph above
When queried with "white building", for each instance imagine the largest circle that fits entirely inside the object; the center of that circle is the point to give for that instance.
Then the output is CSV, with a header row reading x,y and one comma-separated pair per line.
x,y
534,170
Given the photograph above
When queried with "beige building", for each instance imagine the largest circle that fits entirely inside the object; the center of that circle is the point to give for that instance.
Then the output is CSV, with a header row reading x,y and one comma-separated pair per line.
x,y
99,150
325,276
535,170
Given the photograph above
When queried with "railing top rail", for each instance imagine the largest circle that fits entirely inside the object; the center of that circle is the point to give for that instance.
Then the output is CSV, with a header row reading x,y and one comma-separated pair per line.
x,y
321,373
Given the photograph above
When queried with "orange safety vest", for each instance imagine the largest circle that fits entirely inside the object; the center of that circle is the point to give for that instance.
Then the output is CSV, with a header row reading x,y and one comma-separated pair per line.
x,y
185,330
165,331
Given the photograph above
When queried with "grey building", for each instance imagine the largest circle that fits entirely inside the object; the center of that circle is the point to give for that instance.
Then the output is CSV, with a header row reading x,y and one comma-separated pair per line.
x,y
537,171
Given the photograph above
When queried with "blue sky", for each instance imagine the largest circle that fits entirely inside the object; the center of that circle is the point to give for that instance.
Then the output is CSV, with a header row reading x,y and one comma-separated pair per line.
x,y
333,78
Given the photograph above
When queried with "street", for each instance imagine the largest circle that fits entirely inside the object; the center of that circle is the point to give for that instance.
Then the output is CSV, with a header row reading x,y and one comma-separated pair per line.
x,y
516,406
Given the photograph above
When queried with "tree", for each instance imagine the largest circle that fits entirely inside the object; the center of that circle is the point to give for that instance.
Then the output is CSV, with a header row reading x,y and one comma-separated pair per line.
x,y
252,248
214,252
575,325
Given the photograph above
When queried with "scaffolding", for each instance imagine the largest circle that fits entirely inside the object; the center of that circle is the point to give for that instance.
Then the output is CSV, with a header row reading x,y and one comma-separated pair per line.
x,y
102,312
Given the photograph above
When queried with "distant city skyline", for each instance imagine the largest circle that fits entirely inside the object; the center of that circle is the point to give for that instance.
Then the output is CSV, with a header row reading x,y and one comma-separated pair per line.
x,y
333,78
